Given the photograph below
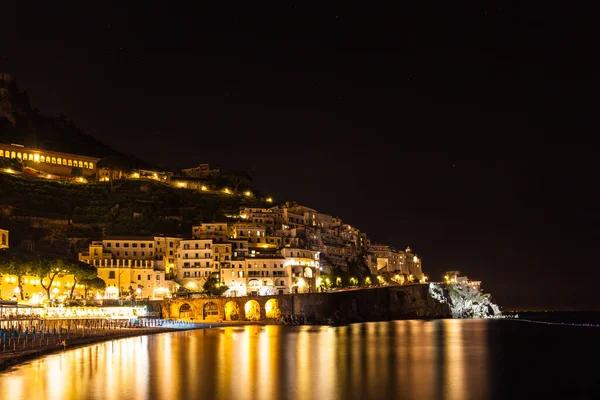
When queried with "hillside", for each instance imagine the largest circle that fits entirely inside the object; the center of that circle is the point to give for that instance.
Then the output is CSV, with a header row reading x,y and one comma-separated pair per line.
x,y
52,214
22,124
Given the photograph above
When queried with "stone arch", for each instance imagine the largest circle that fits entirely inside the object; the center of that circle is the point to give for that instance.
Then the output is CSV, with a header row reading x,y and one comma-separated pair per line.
x,y
252,309
1,153
91,165
70,162
13,155
232,311
53,160
42,159
64,161
186,311
80,164
210,310
85,164
308,272
272,309
19,155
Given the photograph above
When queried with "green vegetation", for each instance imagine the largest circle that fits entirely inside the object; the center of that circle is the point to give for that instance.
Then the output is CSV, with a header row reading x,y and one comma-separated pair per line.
x,y
21,262
57,212
213,287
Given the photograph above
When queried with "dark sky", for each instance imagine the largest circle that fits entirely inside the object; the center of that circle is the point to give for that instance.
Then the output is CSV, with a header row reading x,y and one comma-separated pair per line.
x,y
455,130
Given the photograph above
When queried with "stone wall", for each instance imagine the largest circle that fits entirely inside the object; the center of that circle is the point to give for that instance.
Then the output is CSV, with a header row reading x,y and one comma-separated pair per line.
x,y
375,304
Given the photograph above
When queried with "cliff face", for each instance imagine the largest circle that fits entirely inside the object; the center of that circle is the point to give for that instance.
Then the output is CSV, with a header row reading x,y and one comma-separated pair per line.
x,y
415,301
464,301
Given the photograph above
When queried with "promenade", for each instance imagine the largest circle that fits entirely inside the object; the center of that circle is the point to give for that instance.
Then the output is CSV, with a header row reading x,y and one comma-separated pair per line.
x,y
24,339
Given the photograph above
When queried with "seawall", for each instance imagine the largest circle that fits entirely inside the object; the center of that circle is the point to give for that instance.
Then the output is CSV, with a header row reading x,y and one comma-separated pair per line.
x,y
372,304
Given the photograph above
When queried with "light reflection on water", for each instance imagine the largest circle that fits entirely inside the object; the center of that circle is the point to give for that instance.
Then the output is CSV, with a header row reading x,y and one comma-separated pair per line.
x,y
445,359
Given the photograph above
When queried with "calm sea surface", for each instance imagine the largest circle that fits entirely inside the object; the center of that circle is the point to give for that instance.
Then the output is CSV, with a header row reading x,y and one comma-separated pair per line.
x,y
438,359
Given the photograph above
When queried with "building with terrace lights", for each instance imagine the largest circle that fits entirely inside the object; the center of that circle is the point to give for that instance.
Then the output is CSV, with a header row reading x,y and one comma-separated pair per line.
x,y
49,162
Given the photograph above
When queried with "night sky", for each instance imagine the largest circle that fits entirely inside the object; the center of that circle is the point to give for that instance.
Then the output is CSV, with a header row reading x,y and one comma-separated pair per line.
x,y
457,131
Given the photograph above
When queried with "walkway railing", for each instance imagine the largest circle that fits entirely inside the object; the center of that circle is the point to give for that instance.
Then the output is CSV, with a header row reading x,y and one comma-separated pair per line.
x,y
24,334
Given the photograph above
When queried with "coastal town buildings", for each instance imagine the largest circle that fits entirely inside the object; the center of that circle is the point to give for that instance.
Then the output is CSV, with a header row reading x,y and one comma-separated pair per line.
x,y
279,249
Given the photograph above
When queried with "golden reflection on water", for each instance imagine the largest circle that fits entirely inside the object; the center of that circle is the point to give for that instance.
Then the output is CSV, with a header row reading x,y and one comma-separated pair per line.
x,y
440,359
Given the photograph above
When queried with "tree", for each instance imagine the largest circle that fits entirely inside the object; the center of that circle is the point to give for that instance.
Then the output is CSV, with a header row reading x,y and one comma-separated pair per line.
x,y
116,165
93,283
18,262
236,178
213,287
81,271
48,269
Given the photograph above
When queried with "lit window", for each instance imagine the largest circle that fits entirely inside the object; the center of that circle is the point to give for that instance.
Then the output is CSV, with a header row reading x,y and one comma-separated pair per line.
x,y
59,161
91,165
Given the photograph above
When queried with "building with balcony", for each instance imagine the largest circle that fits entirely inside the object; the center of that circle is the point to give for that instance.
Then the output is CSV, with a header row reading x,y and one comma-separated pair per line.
x,y
195,263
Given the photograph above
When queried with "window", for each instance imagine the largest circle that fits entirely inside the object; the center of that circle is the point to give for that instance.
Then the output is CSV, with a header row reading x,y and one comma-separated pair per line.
x,y
118,253
149,277
135,253
170,244
133,244
158,277
150,245
108,244
139,277
117,244
143,254
143,245
126,253
111,274
125,244
91,165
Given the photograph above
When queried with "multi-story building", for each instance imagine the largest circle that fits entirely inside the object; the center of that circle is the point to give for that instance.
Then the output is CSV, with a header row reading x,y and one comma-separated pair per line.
x,y
201,171
268,275
214,230
195,263
165,253
254,234
305,268
127,265
383,258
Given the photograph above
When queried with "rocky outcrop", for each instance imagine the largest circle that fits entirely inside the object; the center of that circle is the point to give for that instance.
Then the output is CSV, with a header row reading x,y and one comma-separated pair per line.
x,y
415,301
464,301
